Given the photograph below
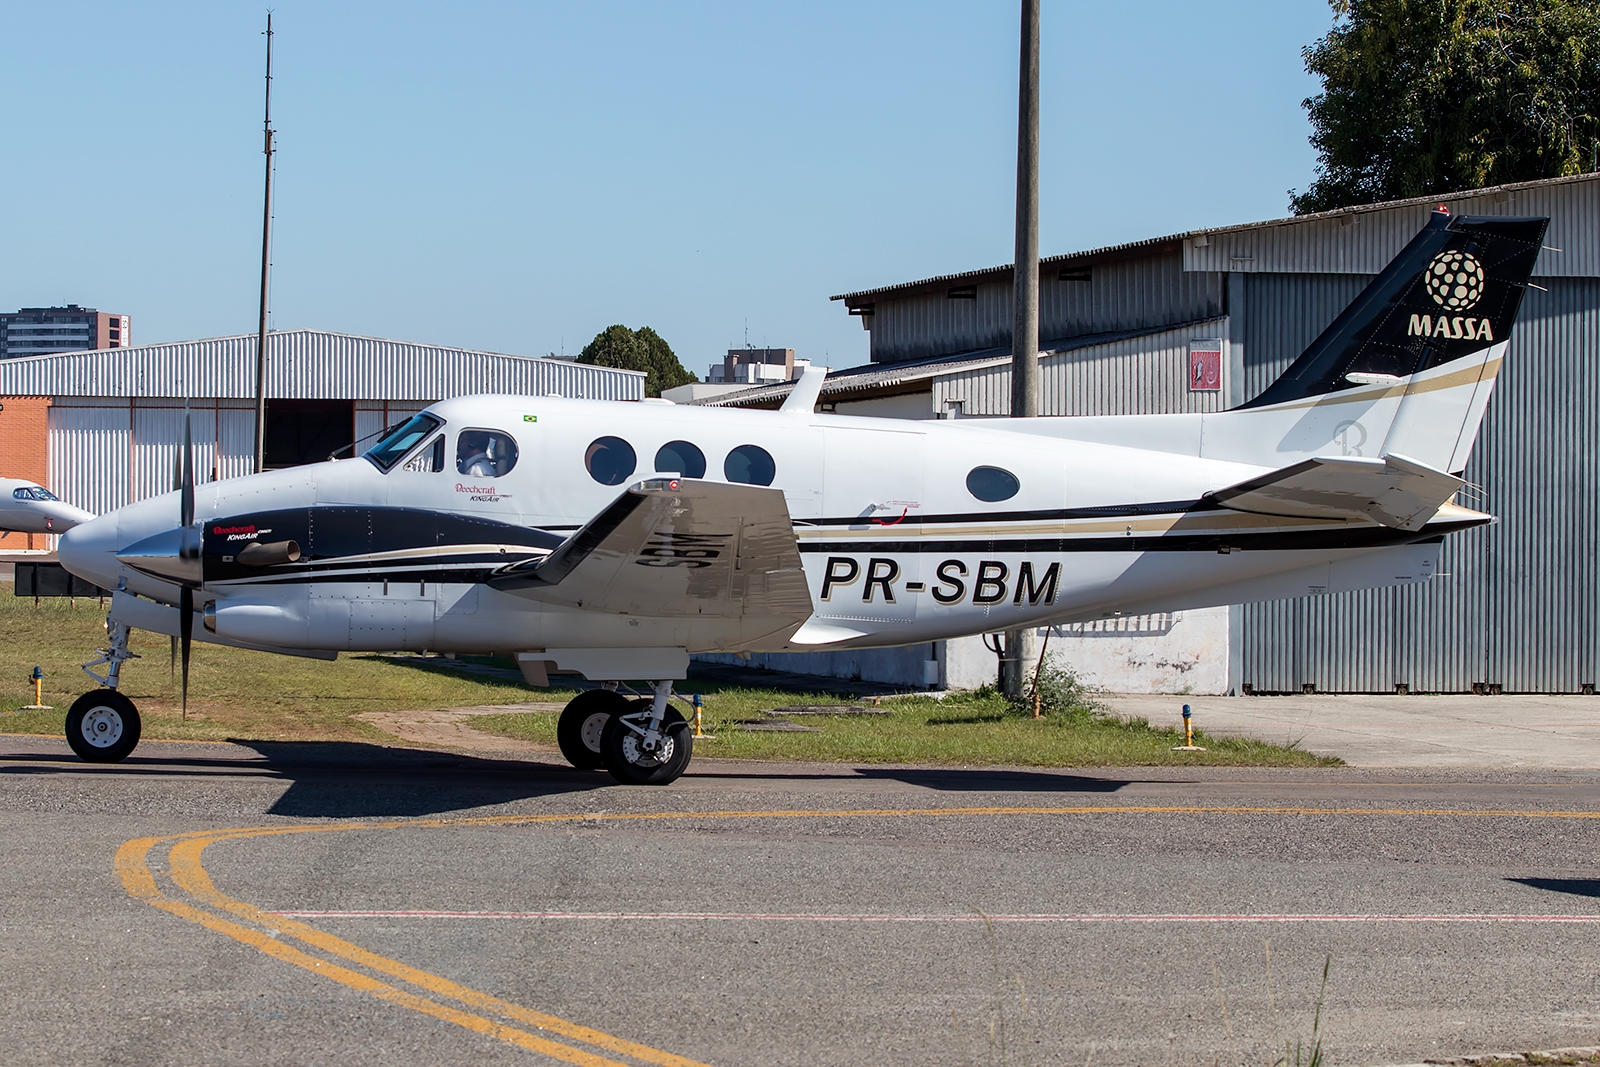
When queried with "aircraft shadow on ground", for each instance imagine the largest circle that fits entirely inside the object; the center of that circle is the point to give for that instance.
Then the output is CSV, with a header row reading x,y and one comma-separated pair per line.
x,y
964,780
1578,887
349,779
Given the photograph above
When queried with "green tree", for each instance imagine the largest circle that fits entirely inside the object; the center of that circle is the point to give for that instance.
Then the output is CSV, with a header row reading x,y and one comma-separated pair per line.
x,y
642,349
1422,97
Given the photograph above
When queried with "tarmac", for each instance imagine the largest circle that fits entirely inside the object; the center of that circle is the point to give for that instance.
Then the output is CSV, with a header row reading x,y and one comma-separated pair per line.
x,y
1457,731
318,903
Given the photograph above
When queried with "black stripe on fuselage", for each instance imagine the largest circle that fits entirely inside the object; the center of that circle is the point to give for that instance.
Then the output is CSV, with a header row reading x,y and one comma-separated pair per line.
x,y
366,530
1273,541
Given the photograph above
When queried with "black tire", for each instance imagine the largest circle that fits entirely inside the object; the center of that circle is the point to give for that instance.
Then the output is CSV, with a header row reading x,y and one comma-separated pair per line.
x,y
628,764
582,722
103,726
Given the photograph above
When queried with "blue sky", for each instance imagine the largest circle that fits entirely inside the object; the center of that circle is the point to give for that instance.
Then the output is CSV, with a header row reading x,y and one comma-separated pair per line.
x,y
518,176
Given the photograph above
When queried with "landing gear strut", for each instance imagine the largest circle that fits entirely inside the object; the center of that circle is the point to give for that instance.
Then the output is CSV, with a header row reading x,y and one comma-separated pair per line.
x,y
103,726
648,745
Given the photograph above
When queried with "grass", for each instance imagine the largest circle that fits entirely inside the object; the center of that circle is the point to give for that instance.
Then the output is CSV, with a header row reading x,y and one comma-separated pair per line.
x,y
256,696
979,728
233,693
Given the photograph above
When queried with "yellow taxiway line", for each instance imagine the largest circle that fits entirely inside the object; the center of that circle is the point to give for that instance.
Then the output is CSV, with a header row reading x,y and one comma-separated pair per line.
x,y
188,873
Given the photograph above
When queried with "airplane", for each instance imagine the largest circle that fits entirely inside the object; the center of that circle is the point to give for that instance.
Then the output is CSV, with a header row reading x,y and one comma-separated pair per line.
x,y
616,539
28,507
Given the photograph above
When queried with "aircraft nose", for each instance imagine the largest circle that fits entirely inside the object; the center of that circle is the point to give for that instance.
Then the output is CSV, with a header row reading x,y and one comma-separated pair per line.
x,y
90,550
64,517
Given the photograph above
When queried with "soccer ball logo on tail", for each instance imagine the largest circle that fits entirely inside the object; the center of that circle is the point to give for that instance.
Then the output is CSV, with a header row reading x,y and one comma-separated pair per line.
x,y
1455,280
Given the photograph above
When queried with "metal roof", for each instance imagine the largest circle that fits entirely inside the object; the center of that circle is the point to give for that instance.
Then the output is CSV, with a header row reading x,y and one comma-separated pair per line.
x,y
880,379
308,365
1112,253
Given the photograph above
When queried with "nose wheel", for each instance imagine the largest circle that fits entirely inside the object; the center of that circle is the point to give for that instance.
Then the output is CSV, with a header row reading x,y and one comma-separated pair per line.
x,y
103,726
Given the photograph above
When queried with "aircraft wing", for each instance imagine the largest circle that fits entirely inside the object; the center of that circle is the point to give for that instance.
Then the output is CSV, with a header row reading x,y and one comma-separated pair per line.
x,y
677,547
1393,491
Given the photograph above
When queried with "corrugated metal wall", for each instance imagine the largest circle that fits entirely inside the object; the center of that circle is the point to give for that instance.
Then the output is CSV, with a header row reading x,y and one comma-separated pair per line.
x,y
90,461
309,365
1283,314
1131,295
1137,374
104,454
1515,604
1364,242
1134,294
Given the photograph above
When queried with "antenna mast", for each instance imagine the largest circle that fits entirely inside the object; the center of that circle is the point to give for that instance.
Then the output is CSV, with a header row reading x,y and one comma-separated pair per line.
x,y
266,253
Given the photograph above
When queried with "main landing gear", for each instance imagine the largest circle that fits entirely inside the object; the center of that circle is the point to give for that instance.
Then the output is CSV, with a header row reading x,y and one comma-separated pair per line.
x,y
639,741
103,726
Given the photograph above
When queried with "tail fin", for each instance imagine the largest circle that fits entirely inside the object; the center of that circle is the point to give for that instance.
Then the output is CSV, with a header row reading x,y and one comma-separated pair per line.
x,y
1408,367
1453,291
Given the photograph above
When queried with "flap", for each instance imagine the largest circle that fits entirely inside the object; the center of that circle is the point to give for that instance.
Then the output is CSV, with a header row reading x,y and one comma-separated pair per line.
x,y
1393,491
677,547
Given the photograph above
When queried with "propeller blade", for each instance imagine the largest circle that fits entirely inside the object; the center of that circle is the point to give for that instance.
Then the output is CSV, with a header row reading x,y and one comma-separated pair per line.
x,y
185,636
186,476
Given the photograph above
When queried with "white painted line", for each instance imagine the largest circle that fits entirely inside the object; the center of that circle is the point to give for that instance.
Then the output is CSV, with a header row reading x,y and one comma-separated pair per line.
x,y
1092,917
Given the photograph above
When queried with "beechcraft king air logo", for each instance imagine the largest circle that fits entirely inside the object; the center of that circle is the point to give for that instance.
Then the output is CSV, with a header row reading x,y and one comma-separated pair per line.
x,y
1455,281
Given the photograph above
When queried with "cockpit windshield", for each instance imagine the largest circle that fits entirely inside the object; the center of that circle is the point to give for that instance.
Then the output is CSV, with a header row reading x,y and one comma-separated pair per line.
x,y
397,442
33,492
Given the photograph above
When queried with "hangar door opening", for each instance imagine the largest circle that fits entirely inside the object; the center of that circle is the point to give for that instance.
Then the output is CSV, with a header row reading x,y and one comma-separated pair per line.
x,y
308,431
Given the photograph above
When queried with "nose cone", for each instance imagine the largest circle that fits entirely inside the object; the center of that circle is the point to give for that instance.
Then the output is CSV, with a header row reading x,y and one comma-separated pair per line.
x,y
63,517
173,555
89,550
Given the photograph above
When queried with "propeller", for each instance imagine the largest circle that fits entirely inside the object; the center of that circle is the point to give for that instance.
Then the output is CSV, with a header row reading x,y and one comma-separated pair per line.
x,y
190,548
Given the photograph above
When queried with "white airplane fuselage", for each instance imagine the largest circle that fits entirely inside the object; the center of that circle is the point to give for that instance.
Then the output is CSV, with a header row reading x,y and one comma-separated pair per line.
x,y
27,507
896,548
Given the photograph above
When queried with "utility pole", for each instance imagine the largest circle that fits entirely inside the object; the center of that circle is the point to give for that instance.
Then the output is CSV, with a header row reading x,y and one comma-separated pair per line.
x,y
1025,306
266,256
1025,302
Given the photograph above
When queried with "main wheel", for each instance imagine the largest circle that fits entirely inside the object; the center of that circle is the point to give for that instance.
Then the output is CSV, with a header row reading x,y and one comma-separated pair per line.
x,y
582,722
631,763
103,726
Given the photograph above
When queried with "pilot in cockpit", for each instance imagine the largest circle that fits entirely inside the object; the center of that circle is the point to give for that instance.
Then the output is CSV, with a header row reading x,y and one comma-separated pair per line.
x,y
475,453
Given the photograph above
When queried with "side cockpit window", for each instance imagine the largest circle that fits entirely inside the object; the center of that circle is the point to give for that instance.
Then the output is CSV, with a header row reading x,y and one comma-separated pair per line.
x,y
32,492
485,453
430,459
395,444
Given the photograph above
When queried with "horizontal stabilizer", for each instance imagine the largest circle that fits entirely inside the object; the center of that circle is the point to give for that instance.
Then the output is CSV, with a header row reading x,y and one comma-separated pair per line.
x,y
674,547
1393,491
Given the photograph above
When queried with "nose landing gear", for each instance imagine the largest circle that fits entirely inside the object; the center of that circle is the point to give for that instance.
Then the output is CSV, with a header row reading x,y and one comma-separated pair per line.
x,y
103,726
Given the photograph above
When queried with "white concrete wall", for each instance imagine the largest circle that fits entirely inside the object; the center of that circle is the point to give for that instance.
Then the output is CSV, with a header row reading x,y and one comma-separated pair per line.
x,y
1184,652
1181,652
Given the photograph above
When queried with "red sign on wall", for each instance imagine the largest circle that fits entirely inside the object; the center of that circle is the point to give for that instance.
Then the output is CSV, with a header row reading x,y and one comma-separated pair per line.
x,y
1205,365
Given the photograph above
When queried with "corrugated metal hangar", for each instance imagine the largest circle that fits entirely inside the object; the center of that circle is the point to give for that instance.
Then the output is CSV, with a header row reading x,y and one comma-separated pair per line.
x,y
1207,319
103,428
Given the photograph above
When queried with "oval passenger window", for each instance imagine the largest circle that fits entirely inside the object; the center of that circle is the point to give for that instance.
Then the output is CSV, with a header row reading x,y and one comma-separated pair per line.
x,y
992,484
610,460
751,465
681,457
